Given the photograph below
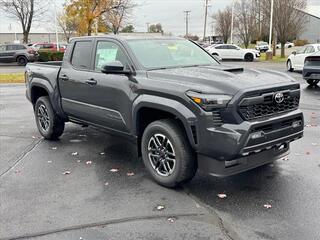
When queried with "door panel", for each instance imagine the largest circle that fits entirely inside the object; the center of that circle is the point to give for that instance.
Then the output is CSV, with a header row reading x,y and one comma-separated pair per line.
x,y
95,97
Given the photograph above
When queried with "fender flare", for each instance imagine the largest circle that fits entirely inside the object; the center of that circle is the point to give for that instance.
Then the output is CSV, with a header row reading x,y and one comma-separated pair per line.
x,y
184,114
53,94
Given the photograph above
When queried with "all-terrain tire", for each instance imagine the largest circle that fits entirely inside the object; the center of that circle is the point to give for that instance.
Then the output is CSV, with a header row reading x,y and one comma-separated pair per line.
x,y
49,124
185,160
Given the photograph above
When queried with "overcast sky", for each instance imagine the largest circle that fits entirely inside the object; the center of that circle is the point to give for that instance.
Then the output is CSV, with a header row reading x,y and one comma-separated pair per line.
x,y
167,12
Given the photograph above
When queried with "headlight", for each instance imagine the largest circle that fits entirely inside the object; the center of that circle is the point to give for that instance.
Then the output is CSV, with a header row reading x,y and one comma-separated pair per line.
x,y
209,102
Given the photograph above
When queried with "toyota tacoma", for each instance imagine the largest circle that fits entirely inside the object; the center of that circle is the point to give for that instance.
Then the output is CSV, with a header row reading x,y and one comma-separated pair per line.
x,y
184,109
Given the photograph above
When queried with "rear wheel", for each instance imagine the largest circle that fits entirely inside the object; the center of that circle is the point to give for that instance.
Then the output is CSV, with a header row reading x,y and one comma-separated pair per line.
x,y
167,154
289,66
49,124
22,61
248,57
312,82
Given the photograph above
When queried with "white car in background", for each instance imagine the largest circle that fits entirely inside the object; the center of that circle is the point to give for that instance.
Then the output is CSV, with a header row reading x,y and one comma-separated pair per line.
x,y
262,46
231,51
295,61
286,45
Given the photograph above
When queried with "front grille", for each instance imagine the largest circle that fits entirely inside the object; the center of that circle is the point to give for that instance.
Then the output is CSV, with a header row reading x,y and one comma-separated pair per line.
x,y
264,105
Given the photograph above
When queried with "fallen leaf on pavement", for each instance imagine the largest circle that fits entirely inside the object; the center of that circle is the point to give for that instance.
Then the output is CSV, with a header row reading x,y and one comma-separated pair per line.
x,y
33,137
106,184
66,173
54,148
102,153
88,162
160,207
267,206
74,154
78,161
114,170
222,195
49,161
130,174
171,219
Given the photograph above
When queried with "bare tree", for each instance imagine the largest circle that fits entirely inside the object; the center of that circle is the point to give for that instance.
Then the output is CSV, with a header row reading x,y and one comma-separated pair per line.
x,y
288,21
246,20
67,24
223,23
117,17
25,11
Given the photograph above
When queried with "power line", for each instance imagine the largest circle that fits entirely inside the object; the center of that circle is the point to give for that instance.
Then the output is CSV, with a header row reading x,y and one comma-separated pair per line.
x,y
187,12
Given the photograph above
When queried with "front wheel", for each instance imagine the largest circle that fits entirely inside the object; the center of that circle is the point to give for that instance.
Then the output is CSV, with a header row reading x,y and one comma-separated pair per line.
x,y
49,124
289,66
248,57
167,154
22,61
312,82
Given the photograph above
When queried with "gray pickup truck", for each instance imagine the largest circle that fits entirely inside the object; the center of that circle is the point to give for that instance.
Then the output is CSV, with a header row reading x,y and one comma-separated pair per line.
x,y
184,109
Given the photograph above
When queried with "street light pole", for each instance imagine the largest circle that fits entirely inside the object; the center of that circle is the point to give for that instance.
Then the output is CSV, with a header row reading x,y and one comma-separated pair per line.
x,y
232,19
271,20
205,20
55,23
187,12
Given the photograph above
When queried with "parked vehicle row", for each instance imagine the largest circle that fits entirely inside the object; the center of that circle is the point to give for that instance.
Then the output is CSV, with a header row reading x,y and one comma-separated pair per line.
x,y
184,109
22,54
231,51
17,53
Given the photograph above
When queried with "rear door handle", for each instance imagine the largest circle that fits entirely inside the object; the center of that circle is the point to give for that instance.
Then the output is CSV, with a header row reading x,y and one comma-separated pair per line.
x,y
91,81
64,77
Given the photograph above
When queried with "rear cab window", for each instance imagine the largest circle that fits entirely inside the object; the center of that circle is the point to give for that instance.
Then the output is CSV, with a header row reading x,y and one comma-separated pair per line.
x,y
81,55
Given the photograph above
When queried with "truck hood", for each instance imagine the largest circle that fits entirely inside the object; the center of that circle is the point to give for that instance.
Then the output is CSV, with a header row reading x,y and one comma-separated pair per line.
x,y
219,78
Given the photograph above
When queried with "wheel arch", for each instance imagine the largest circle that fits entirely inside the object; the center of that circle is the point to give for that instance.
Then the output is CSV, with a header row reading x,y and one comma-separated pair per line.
x,y
147,109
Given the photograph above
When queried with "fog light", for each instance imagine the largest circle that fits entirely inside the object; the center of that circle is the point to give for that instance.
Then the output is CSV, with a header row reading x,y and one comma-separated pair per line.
x,y
256,135
296,124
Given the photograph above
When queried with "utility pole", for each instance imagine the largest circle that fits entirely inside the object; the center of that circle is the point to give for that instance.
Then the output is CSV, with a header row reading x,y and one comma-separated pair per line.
x,y
205,19
187,12
232,19
271,20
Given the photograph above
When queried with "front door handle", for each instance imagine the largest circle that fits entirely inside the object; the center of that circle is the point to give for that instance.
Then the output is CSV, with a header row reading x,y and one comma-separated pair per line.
x,y
64,77
91,81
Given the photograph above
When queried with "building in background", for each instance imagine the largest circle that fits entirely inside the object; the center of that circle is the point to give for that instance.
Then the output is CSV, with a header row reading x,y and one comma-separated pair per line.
x,y
311,31
10,37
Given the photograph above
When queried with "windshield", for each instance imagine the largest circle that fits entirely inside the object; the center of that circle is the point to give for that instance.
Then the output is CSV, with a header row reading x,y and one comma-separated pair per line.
x,y
169,53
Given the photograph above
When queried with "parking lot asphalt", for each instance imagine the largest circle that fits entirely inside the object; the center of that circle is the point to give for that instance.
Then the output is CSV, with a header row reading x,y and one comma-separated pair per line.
x,y
11,68
65,189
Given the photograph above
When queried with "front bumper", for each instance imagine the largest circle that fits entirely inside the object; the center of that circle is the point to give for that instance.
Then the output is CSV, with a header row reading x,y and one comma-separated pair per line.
x,y
233,148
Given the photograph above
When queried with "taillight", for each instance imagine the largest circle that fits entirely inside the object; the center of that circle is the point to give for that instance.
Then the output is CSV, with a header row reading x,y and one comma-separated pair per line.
x,y
31,51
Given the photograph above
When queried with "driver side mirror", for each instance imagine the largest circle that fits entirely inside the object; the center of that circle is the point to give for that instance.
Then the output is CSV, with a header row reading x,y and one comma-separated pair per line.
x,y
115,67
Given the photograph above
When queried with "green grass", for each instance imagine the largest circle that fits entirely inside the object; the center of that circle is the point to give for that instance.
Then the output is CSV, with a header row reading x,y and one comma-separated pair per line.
x,y
11,78
276,59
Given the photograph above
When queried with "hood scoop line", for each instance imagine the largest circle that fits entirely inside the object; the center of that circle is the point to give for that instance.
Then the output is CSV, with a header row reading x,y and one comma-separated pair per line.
x,y
227,68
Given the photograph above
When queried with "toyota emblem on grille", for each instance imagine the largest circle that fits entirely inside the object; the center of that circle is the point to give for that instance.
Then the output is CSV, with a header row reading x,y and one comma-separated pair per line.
x,y
278,97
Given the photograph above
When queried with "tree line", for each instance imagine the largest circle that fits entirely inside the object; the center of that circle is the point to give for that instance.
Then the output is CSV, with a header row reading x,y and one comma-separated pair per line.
x,y
78,17
252,21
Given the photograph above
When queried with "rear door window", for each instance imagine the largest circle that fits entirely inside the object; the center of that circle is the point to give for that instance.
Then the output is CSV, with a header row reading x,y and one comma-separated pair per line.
x,y
221,47
81,56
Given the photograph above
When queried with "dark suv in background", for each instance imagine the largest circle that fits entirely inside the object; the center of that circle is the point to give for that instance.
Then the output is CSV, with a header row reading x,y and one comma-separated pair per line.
x,y
17,53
